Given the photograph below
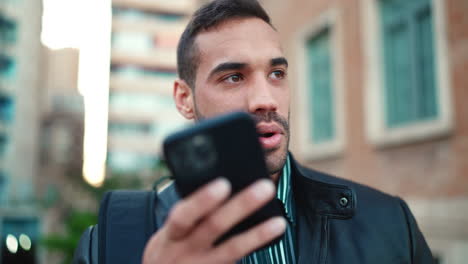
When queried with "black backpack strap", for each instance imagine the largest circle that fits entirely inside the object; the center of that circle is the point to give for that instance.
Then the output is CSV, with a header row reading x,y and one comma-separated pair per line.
x,y
126,222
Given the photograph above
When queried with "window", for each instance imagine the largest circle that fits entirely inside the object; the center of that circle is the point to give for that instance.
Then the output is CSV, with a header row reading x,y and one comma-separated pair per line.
x,y
8,30
321,98
140,102
320,90
131,71
3,188
130,41
7,109
7,67
130,162
3,145
130,129
407,87
409,65
131,14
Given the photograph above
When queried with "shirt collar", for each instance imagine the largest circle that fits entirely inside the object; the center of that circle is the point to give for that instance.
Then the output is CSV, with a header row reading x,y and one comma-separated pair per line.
x,y
284,192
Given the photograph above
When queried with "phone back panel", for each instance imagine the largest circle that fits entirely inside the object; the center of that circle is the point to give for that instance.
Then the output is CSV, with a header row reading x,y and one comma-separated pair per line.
x,y
227,147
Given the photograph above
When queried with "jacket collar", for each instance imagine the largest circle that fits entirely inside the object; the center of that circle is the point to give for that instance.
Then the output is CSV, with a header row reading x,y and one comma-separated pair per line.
x,y
321,193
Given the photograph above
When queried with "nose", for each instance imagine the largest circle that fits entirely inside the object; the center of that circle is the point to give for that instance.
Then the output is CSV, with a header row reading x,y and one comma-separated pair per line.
x,y
260,97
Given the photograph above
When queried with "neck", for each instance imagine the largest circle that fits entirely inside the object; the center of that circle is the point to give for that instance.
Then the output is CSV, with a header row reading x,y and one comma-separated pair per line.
x,y
275,177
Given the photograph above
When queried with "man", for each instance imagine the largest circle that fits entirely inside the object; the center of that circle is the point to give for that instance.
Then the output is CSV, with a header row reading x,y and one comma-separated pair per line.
x,y
230,58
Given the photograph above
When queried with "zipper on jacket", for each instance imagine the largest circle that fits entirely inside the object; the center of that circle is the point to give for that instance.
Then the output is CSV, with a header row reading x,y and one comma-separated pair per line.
x,y
324,240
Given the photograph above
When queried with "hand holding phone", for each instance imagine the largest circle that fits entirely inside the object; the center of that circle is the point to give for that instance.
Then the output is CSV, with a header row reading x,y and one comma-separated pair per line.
x,y
218,220
226,146
195,222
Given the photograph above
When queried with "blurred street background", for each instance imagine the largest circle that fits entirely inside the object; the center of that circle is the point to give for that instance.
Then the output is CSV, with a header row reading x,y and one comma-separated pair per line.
x,y
379,91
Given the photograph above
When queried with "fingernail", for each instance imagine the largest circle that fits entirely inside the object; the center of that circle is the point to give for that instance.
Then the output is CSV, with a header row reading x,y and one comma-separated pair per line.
x,y
277,225
220,188
263,189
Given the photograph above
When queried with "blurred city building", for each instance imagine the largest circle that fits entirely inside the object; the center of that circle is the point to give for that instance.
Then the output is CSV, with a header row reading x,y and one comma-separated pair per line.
x,y
379,98
19,129
61,143
42,109
143,69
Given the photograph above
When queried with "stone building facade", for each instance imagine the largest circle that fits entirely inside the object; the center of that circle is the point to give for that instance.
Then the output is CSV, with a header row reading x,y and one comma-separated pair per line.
x,y
391,77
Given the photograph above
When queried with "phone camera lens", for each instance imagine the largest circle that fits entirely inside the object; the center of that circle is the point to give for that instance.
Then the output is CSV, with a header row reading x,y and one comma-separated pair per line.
x,y
202,146
203,153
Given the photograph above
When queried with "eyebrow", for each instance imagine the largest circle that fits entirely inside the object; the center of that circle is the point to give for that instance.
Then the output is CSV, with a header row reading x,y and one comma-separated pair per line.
x,y
227,66
279,61
230,66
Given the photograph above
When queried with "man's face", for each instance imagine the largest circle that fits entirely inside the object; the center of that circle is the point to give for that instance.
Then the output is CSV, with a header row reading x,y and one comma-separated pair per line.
x,y
242,67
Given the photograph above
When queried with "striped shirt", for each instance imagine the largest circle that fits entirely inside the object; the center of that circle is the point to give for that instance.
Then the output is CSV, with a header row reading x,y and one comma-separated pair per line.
x,y
285,250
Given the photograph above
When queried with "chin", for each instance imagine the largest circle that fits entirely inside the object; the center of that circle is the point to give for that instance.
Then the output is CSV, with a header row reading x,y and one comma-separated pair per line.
x,y
275,160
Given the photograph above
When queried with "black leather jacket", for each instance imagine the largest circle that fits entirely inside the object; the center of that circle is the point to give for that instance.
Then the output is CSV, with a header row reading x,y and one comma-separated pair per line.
x,y
339,221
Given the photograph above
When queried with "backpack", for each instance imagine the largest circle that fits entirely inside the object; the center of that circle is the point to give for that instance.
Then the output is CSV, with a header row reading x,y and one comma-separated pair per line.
x,y
127,220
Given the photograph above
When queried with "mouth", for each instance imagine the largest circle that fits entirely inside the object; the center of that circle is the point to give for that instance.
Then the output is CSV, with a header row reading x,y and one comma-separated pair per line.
x,y
266,135
269,135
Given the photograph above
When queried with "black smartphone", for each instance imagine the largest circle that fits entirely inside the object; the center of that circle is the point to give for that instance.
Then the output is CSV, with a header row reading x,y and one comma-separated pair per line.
x,y
225,146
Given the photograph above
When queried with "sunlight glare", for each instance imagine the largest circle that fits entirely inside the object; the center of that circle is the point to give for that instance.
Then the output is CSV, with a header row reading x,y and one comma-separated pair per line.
x,y
93,84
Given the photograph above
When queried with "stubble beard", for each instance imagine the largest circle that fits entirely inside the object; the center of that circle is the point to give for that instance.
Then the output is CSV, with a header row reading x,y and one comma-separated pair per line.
x,y
275,158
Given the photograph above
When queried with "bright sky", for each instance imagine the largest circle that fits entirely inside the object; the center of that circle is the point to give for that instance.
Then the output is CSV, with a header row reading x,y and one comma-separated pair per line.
x,y
61,23
86,25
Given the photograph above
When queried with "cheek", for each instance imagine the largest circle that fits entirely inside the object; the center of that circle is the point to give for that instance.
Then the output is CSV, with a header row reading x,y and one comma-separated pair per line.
x,y
211,102
282,97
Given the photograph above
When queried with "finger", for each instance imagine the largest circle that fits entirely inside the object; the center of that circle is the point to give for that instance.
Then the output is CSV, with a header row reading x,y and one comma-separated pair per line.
x,y
233,212
188,212
243,244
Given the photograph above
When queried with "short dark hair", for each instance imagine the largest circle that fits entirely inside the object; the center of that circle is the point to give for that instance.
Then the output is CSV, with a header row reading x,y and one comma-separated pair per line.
x,y
209,16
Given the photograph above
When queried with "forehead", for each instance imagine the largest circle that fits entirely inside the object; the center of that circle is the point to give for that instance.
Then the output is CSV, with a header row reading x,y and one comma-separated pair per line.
x,y
247,40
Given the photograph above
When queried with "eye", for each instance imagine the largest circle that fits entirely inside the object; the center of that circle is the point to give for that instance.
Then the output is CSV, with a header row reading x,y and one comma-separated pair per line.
x,y
278,75
233,78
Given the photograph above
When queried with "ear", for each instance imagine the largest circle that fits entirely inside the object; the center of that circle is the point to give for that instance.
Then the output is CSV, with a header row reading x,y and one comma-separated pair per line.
x,y
183,98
